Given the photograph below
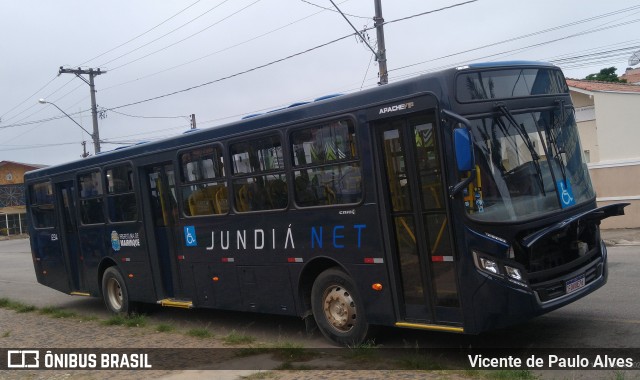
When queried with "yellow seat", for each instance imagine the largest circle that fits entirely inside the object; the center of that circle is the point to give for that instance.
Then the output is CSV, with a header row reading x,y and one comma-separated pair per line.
x,y
222,200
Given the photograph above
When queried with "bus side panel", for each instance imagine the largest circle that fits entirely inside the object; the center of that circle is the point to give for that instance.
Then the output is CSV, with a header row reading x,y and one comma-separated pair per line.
x,y
353,241
216,285
92,249
125,244
266,289
378,303
48,259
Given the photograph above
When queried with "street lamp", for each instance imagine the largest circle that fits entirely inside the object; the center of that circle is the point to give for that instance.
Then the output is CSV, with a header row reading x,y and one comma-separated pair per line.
x,y
96,142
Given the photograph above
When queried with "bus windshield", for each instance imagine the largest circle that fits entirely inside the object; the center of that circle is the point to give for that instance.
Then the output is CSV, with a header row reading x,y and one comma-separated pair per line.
x,y
528,164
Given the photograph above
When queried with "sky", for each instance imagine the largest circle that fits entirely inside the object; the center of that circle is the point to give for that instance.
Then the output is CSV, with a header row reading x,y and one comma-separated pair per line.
x,y
162,61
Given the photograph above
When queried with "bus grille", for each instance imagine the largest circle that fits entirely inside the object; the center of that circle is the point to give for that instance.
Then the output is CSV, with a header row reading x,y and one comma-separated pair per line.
x,y
552,289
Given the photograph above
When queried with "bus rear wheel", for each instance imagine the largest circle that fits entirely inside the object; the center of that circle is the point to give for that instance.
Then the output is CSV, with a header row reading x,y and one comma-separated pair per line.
x,y
114,291
338,309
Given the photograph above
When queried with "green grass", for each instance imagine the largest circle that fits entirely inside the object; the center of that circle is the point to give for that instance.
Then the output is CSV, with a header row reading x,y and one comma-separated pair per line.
x,y
18,307
235,338
363,351
56,312
164,328
291,352
25,309
4,302
200,332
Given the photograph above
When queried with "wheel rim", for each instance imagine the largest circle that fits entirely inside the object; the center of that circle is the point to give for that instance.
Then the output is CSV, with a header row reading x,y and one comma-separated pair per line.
x,y
339,308
114,293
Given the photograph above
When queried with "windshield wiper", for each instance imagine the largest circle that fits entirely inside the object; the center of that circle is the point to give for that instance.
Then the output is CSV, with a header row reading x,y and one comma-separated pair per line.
x,y
525,136
553,141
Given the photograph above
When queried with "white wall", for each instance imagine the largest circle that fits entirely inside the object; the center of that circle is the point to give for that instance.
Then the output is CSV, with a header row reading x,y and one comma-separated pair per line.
x,y
618,120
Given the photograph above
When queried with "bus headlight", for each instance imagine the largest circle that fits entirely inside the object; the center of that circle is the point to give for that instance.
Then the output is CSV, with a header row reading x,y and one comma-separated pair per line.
x,y
513,273
489,265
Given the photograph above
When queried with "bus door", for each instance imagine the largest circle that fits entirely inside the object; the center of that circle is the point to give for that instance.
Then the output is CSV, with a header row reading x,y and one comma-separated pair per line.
x,y
69,234
415,201
161,209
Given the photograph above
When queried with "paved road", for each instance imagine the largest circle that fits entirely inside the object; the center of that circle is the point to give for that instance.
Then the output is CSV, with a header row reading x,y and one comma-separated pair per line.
x,y
609,317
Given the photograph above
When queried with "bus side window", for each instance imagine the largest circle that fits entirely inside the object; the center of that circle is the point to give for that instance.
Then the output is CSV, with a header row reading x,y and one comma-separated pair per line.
x,y
327,169
91,203
121,199
259,181
204,189
42,209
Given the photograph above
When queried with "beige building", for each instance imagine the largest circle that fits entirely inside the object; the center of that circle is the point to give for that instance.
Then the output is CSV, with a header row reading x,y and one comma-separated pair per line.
x,y
12,193
631,75
608,116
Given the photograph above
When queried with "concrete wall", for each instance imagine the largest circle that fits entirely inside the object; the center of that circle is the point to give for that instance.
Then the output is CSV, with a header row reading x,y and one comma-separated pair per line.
x,y
618,184
581,100
618,118
588,132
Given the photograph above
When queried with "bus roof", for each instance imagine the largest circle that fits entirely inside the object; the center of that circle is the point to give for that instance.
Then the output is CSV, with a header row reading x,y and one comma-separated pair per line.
x,y
321,107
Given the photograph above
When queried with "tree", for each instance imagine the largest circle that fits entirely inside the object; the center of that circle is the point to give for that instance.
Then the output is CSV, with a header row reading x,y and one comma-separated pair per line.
x,y
606,75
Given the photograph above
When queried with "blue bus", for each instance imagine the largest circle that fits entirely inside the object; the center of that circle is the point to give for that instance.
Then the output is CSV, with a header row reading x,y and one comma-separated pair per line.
x,y
455,201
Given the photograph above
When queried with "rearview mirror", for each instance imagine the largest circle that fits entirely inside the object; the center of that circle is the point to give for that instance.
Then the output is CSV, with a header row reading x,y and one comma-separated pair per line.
x,y
464,149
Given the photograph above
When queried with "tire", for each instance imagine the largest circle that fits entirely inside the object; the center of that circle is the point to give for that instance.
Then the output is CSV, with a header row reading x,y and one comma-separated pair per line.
x,y
338,309
114,291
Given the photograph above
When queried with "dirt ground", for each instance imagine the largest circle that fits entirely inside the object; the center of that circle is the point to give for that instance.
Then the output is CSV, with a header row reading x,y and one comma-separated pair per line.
x,y
34,330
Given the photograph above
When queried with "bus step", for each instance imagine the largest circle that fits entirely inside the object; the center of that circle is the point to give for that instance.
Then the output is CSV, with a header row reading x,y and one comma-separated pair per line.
x,y
80,294
171,302
424,326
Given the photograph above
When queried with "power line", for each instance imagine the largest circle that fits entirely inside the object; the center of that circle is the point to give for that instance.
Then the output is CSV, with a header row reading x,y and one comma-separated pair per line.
x,y
333,10
233,75
46,97
164,35
40,121
38,146
188,37
29,97
598,29
429,12
272,62
521,37
150,117
139,35
218,51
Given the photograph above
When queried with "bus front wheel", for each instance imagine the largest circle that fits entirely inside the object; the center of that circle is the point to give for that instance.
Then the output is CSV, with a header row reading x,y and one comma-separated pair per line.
x,y
114,291
338,309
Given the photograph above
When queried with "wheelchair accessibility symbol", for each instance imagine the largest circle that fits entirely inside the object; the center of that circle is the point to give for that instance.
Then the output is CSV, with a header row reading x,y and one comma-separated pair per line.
x,y
566,194
190,236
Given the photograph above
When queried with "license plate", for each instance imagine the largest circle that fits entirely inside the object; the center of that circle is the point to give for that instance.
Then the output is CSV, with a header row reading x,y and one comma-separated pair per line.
x,y
575,284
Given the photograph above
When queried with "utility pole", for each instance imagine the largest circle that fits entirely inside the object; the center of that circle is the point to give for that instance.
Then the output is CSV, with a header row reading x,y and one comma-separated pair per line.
x,y
381,54
94,111
382,51
193,121
85,154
